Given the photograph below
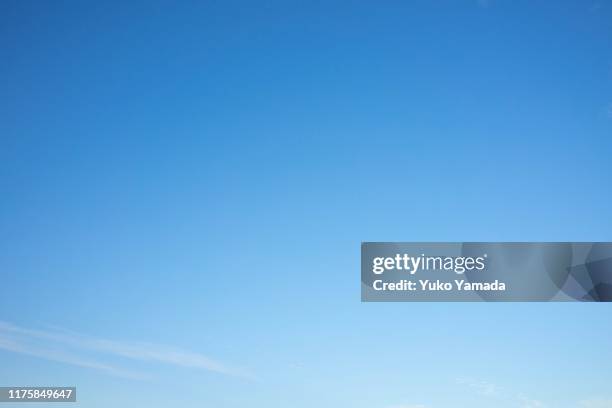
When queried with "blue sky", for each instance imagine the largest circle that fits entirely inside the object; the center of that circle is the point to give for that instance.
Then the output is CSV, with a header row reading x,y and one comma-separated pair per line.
x,y
184,189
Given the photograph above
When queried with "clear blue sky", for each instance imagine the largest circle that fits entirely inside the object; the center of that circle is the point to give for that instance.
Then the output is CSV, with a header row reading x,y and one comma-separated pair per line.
x,y
200,176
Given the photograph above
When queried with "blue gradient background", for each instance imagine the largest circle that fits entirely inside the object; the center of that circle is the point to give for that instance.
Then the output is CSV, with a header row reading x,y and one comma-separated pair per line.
x,y
202,174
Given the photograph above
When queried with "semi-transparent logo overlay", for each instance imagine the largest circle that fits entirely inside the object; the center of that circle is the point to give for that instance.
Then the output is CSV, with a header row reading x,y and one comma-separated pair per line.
x,y
486,271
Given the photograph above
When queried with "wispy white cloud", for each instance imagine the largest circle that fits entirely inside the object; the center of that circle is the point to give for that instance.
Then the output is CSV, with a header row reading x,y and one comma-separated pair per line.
x,y
500,394
9,344
503,397
480,386
64,346
408,406
526,402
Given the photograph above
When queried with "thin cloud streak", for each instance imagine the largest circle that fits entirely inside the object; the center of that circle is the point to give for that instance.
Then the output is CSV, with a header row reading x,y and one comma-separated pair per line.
x,y
408,406
11,345
481,387
146,352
